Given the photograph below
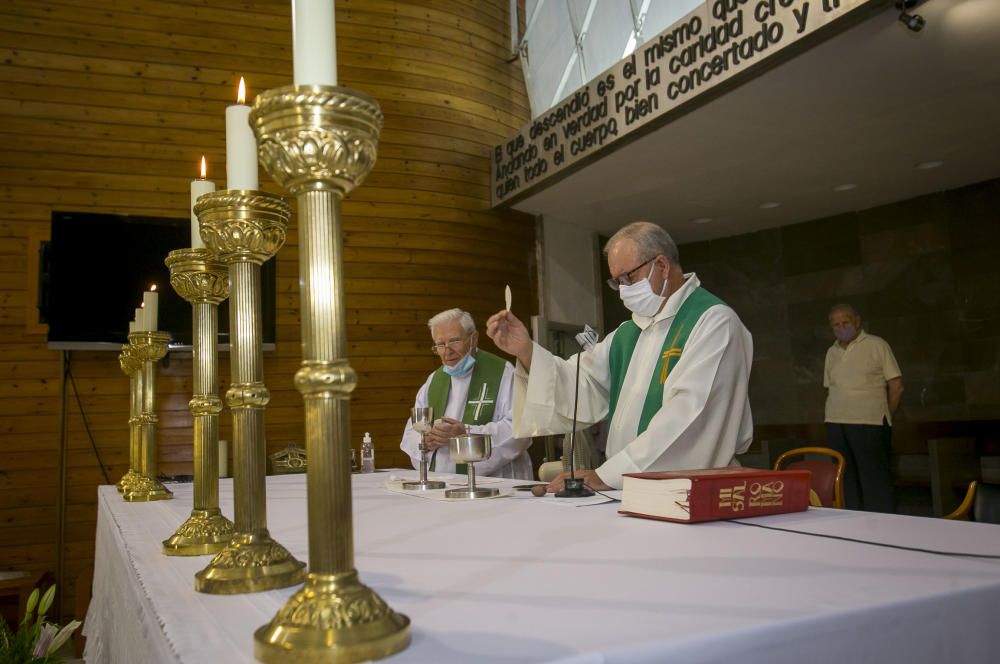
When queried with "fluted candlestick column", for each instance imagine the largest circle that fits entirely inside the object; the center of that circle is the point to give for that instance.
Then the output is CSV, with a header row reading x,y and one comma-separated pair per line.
x,y
245,228
319,142
150,347
203,280
130,366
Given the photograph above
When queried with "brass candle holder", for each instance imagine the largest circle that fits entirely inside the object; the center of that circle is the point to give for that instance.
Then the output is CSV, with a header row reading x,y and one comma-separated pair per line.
x,y
319,143
245,228
130,365
149,348
200,278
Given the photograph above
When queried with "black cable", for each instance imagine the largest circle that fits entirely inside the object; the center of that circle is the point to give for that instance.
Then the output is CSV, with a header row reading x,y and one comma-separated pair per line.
x,y
68,369
572,435
935,552
614,500
861,541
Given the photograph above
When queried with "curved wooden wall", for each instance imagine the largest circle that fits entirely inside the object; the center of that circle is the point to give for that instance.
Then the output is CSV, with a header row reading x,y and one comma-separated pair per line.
x,y
106,106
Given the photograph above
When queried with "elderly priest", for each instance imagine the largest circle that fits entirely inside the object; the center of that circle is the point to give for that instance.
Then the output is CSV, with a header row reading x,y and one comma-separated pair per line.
x,y
470,393
672,381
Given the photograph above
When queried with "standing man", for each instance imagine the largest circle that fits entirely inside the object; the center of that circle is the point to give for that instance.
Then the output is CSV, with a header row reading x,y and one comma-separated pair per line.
x,y
470,393
864,387
672,381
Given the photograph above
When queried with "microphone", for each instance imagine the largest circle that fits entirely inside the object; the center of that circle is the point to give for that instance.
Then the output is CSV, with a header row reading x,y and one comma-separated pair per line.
x,y
574,487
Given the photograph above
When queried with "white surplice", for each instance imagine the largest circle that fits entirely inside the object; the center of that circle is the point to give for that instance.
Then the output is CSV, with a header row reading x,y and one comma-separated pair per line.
x,y
509,457
705,418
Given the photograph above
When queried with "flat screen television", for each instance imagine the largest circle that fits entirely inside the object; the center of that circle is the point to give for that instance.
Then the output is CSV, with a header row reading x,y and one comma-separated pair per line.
x,y
96,267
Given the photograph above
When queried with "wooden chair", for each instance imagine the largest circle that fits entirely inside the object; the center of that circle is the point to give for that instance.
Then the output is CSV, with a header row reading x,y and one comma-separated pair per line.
x,y
954,462
981,503
290,460
827,476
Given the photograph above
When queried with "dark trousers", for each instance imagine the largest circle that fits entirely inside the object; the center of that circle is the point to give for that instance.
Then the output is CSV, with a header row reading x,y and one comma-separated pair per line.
x,y
868,474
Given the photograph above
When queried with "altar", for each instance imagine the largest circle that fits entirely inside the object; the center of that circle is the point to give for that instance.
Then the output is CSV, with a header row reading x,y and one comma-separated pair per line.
x,y
524,579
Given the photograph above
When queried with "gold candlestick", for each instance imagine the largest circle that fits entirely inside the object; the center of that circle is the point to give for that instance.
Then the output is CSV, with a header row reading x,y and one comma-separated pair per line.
x,y
200,278
129,365
245,228
150,347
319,142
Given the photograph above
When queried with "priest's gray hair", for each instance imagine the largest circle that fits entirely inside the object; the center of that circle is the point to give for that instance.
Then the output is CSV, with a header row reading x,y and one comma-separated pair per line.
x,y
650,239
453,314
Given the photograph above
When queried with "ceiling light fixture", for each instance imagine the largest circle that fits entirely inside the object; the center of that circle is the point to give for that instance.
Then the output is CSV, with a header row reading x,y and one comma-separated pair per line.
x,y
928,165
702,220
769,206
845,187
914,22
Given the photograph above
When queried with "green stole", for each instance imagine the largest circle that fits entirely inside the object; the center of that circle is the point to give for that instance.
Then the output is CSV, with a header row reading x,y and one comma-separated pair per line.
x,y
623,345
484,388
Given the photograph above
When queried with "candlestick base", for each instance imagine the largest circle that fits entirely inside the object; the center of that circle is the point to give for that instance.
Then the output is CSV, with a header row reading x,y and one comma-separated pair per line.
x,y
333,618
205,532
146,489
127,481
250,563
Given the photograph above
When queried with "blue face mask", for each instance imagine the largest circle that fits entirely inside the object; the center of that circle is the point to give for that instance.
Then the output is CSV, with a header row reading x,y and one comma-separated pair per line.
x,y
846,333
461,367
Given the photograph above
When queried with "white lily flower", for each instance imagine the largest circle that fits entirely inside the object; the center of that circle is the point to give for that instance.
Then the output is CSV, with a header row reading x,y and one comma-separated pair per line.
x,y
45,637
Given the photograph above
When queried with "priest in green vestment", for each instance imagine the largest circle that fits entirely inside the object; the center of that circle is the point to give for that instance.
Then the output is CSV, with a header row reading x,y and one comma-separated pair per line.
x,y
470,393
672,381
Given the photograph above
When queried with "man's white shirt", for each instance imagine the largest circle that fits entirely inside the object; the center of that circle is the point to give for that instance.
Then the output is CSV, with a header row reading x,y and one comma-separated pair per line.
x,y
509,457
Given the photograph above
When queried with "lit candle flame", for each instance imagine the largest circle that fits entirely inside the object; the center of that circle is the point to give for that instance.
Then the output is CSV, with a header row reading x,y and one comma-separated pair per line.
x,y
241,96
204,168
153,287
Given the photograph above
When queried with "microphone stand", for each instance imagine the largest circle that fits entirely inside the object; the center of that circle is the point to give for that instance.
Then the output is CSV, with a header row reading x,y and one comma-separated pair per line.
x,y
574,487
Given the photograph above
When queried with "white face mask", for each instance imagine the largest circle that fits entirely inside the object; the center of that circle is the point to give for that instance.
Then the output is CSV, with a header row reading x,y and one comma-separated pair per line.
x,y
640,298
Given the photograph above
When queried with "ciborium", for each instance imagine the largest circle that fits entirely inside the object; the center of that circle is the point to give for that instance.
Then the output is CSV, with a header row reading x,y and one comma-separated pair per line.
x,y
423,422
244,228
148,348
319,142
469,449
203,280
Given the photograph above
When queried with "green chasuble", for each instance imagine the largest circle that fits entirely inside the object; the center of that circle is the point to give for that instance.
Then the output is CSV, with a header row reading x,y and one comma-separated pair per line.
x,y
481,400
623,345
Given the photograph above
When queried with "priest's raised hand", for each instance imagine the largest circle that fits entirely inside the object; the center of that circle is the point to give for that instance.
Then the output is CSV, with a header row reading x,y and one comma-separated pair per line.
x,y
510,335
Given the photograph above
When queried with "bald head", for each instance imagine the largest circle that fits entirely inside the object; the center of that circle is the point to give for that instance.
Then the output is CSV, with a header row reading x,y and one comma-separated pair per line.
x,y
843,307
845,323
650,239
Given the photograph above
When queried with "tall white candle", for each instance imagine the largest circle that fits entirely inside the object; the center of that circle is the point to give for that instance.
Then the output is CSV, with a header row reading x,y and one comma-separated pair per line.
x,y
151,306
140,323
199,187
223,458
241,146
314,42
131,326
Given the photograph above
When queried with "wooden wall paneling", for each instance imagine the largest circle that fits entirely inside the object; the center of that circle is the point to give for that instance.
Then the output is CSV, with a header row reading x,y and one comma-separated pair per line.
x,y
108,106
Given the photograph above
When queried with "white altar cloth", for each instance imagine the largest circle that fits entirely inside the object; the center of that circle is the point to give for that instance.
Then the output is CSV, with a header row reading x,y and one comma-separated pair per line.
x,y
512,580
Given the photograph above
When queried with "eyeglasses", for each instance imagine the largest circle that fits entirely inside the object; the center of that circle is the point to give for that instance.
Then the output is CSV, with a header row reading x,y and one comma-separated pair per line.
x,y
625,279
453,344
